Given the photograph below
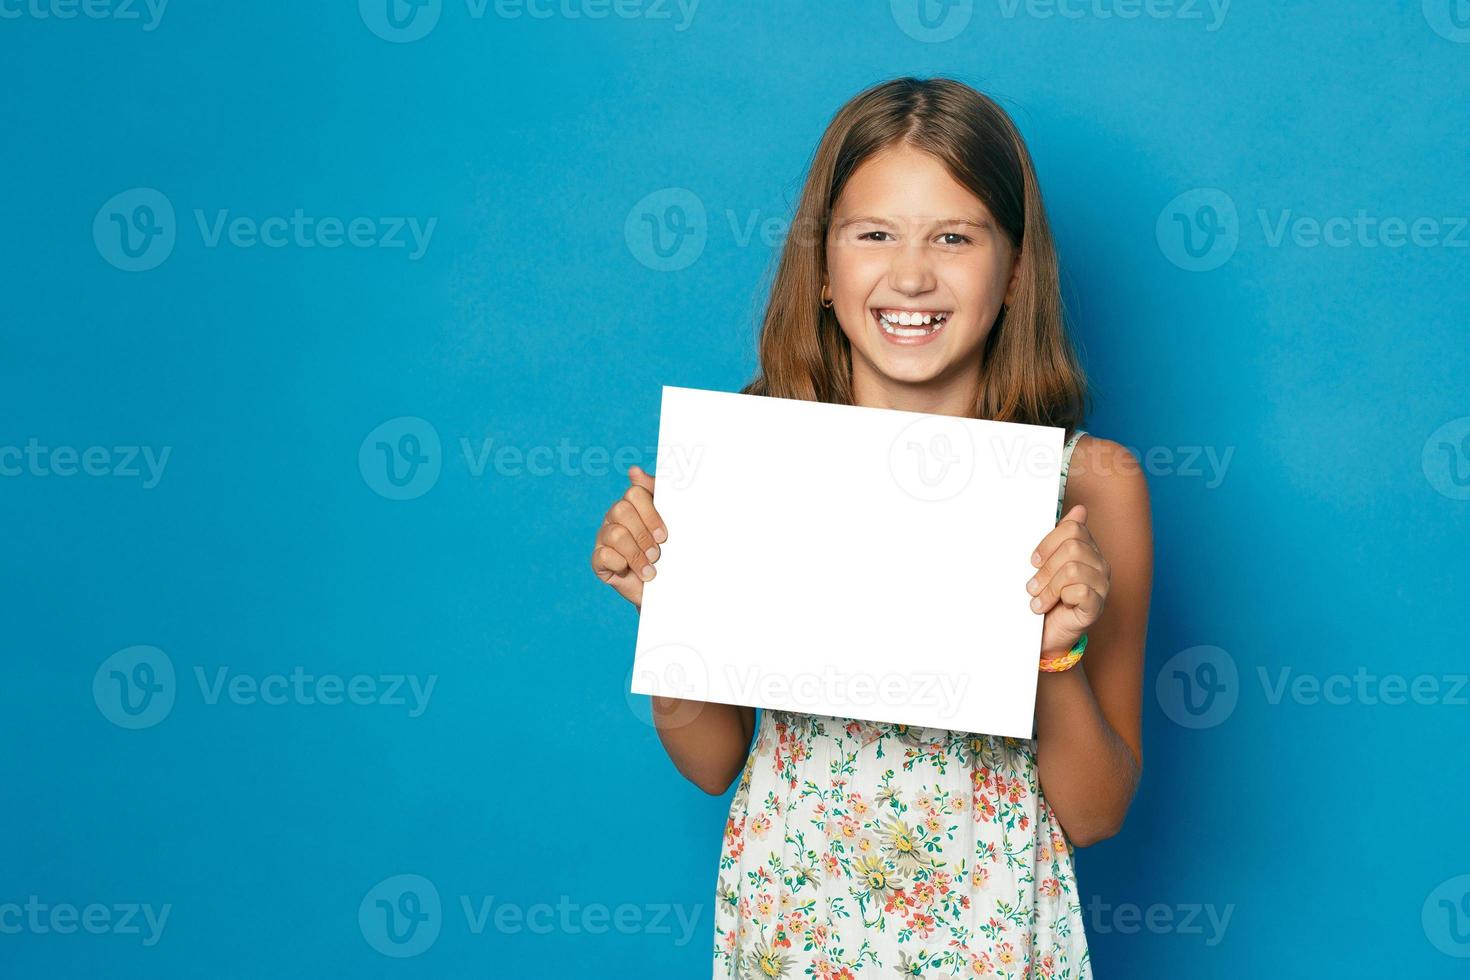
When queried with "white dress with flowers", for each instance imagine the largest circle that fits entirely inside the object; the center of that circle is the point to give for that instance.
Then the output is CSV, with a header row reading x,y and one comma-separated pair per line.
x,y
863,849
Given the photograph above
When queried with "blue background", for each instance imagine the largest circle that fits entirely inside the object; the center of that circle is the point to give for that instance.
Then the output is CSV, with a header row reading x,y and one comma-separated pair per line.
x,y
1334,540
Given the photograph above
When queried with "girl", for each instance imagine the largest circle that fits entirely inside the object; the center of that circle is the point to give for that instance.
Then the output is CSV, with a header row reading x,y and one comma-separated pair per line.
x,y
920,275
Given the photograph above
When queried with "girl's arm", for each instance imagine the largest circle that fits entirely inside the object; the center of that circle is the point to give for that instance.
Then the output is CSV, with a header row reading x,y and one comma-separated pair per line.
x,y
708,741
1088,720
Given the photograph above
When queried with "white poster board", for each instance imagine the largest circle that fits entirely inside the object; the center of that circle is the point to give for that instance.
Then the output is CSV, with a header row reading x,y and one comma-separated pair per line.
x,y
856,562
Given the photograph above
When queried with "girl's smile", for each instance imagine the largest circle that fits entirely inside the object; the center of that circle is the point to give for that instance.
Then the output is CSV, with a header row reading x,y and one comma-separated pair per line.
x,y
910,327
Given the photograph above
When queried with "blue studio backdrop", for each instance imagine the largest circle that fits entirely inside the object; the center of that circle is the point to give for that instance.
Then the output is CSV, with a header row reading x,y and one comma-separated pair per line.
x,y
328,330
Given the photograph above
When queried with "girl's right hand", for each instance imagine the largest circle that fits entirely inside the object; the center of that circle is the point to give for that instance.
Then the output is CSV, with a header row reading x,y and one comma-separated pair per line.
x,y
627,544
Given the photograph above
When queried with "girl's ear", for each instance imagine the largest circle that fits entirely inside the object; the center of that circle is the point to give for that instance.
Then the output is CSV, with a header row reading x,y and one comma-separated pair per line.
x,y
1015,275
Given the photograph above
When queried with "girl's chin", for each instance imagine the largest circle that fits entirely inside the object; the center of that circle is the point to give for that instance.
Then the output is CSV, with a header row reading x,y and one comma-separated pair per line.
x,y
910,369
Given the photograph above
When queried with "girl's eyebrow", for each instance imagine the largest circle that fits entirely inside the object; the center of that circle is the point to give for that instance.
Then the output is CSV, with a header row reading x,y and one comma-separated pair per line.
x,y
870,219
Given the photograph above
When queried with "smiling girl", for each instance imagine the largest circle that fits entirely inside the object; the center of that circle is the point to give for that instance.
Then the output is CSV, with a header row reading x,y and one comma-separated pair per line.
x,y
860,849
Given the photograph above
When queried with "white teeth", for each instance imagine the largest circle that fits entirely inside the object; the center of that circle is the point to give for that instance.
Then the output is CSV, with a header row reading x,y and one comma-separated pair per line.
x,y
910,318
923,324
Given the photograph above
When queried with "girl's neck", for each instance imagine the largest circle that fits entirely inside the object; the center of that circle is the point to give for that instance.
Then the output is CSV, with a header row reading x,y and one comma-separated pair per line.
x,y
940,396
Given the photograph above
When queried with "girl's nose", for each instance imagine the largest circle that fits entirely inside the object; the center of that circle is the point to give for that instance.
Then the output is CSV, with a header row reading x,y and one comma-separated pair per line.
x,y
910,273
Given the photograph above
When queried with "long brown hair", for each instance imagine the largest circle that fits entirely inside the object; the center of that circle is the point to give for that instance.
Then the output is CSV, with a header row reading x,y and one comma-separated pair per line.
x,y
1029,371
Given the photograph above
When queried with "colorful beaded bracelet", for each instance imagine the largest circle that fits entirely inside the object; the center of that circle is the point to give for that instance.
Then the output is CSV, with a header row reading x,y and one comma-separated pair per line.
x,y
1067,659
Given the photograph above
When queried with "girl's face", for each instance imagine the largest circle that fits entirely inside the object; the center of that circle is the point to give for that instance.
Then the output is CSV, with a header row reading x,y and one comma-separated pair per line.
x,y
917,272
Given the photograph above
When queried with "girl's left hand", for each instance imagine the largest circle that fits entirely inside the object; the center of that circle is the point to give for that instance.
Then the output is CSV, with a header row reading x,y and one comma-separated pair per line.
x,y
1071,582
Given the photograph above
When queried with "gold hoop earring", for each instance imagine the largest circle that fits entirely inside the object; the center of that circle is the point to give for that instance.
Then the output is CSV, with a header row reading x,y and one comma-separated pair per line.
x,y
826,302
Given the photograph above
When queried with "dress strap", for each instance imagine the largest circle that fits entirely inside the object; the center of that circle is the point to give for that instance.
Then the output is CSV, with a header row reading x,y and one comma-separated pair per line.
x,y
1066,465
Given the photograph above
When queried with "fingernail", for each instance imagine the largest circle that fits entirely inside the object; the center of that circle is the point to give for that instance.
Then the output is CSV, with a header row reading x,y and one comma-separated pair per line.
x,y
652,554
1031,586
647,572
660,535
1036,604
1036,558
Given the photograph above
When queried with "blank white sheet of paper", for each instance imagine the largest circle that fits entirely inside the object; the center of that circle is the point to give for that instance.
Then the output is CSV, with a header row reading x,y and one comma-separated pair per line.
x,y
861,563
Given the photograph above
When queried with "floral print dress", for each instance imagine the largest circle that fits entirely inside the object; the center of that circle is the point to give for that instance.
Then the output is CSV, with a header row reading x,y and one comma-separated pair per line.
x,y
864,849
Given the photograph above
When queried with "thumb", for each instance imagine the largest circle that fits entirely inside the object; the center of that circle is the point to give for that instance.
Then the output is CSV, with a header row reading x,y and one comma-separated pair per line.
x,y
639,478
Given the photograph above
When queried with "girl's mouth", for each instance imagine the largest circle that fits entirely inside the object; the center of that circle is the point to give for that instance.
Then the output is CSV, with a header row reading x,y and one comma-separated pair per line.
x,y
910,327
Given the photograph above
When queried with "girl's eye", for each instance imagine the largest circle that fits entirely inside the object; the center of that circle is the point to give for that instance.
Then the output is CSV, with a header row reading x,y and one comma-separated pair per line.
x,y
961,239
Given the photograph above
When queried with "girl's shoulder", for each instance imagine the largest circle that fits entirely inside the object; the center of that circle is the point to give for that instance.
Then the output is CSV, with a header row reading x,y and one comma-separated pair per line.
x,y
1102,468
